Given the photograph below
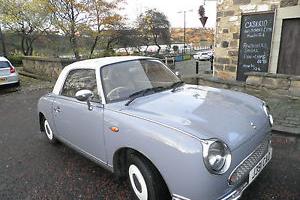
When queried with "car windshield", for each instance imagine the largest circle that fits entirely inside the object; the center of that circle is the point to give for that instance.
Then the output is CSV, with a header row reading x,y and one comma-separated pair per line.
x,y
122,80
4,64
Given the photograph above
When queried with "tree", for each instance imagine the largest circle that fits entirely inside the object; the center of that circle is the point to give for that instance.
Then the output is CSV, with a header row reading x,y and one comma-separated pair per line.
x,y
3,43
112,35
102,17
28,18
129,38
70,18
155,25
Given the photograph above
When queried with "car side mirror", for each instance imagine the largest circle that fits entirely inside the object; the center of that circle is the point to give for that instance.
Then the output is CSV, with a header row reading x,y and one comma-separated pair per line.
x,y
85,95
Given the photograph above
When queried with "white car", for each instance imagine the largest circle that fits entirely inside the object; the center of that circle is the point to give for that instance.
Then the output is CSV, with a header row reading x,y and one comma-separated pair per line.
x,y
8,73
202,56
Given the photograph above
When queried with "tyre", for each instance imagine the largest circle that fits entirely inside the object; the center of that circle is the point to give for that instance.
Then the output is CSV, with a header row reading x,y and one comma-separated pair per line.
x,y
145,181
17,84
48,132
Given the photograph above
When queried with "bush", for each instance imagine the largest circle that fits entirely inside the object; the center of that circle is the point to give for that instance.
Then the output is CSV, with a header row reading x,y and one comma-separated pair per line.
x,y
16,60
187,57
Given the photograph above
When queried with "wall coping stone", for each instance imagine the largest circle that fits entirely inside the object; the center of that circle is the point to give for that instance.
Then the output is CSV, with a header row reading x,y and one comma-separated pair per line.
x,y
218,80
272,75
48,59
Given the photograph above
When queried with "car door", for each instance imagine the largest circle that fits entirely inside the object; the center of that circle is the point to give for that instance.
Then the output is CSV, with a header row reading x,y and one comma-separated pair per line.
x,y
74,122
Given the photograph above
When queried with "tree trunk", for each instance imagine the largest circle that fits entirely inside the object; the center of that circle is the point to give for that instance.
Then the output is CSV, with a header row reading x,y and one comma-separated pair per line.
x,y
74,46
3,43
159,48
156,43
30,46
108,44
73,39
126,50
27,45
93,46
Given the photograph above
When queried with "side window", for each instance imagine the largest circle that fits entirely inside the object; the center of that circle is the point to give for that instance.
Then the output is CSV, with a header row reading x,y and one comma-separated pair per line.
x,y
81,79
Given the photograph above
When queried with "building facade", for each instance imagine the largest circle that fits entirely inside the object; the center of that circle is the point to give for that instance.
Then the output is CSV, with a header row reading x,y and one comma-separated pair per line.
x,y
285,40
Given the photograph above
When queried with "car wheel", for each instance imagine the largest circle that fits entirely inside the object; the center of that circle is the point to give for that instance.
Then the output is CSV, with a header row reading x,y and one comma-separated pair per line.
x,y
145,181
49,133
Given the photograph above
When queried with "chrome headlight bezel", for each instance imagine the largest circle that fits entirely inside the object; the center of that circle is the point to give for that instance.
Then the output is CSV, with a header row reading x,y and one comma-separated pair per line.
x,y
266,110
207,151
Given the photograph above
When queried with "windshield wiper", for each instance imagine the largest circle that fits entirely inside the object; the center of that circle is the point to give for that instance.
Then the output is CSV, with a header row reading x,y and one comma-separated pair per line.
x,y
143,92
176,85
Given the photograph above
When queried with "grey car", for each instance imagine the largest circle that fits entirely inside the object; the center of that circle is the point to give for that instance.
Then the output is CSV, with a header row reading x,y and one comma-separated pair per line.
x,y
136,118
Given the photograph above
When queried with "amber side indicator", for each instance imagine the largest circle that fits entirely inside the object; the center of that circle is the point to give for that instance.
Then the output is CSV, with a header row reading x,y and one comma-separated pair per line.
x,y
114,129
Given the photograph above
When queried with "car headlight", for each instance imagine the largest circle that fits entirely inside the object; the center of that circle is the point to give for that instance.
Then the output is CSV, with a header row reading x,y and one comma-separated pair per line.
x,y
216,156
267,112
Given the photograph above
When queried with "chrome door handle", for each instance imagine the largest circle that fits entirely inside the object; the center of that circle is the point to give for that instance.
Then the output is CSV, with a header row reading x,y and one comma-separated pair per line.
x,y
57,109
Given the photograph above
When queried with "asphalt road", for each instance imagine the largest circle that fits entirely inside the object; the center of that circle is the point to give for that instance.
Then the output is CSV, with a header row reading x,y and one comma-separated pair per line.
x,y
31,168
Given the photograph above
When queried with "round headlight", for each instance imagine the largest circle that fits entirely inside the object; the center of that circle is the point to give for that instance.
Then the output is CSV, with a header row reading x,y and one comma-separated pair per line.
x,y
217,156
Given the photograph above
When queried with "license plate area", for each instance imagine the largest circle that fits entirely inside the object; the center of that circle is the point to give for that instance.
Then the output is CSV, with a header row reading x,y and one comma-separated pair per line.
x,y
260,166
3,79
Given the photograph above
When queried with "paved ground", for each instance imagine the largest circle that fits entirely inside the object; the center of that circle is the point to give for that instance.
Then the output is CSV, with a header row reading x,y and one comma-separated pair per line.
x,y
31,168
27,84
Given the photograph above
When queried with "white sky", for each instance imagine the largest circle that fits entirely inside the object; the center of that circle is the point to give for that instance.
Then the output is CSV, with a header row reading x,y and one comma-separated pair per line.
x,y
171,8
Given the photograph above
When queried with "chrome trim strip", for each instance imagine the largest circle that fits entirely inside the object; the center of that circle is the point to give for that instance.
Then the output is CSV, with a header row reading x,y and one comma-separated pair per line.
x,y
178,197
248,157
159,123
236,194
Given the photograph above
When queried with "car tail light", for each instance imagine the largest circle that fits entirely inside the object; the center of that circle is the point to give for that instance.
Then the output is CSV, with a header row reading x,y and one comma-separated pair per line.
x,y
12,69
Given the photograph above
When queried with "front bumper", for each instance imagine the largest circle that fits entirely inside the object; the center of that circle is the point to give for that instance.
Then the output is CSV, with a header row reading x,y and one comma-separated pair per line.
x,y
258,154
234,195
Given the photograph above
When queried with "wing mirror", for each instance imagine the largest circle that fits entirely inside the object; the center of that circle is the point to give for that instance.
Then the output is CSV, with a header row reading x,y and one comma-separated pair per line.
x,y
85,95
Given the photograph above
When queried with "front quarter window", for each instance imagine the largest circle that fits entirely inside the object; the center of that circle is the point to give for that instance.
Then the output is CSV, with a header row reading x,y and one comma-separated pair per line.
x,y
120,80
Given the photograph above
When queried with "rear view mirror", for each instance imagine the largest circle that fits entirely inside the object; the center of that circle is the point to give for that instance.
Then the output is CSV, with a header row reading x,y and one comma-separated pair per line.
x,y
85,95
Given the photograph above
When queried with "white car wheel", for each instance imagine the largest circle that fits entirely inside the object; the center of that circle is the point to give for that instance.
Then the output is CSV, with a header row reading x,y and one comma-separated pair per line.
x,y
48,130
138,182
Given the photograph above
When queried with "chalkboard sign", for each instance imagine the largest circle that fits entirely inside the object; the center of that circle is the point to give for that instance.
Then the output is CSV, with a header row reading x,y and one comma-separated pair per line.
x,y
255,43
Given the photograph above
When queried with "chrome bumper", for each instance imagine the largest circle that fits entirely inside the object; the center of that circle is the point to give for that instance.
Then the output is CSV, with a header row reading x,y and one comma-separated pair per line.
x,y
236,194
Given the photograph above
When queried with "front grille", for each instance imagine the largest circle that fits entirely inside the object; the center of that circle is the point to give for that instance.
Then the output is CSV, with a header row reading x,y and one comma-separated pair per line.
x,y
242,171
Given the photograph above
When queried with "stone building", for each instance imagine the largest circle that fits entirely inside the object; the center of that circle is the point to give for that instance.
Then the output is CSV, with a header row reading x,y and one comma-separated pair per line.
x,y
284,47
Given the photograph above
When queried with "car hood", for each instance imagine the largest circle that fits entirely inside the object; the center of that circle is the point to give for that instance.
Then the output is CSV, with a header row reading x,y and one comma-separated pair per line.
x,y
204,112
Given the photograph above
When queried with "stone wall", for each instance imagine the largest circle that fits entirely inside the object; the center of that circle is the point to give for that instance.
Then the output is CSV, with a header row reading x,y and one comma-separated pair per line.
x,y
46,68
281,92
228,31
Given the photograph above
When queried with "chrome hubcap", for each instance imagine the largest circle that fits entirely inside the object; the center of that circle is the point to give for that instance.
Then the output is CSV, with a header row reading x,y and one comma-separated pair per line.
x,y
48,130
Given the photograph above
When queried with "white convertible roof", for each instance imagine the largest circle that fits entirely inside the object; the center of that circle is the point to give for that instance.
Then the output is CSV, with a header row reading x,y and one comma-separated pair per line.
x,y
91,64
99,62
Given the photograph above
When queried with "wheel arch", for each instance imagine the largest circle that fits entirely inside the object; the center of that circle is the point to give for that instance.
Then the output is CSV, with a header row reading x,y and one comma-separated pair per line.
x,y
41,121
120,159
